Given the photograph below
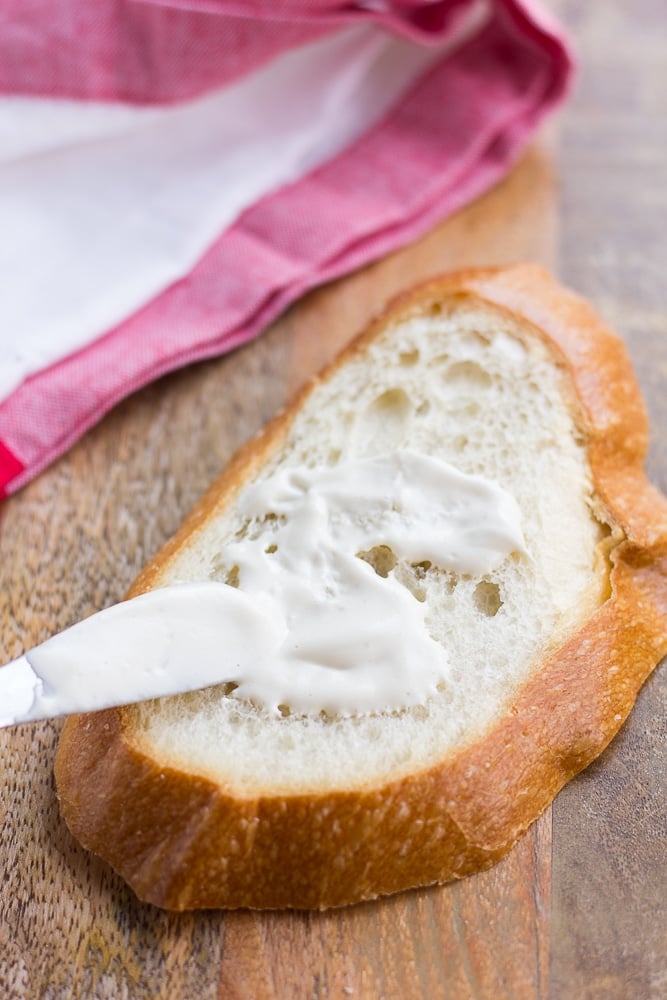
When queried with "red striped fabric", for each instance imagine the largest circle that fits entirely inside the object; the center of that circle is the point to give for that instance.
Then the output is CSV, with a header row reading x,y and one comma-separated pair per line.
x,y
451,137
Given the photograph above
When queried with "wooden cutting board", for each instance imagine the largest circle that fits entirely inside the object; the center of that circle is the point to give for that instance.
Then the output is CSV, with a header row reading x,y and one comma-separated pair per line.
x,y
579,908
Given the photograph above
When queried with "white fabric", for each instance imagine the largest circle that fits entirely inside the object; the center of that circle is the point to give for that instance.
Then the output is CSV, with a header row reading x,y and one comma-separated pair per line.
x,y
102,206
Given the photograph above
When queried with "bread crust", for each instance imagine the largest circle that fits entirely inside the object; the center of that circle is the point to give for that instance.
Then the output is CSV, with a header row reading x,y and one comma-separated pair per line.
x,y
183,842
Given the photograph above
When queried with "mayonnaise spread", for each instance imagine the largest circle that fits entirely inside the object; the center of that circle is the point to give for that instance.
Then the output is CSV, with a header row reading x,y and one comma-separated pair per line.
x,y
310,626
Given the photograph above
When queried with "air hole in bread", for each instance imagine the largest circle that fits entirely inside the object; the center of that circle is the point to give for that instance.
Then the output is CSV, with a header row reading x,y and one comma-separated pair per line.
x,y
271,521
393,401
468,372
284,710
421,568
408,358
423,408
270,549
446,694
218,568
260,526
413,578
421,712
385,424
479,338
487,598
381,558
232,577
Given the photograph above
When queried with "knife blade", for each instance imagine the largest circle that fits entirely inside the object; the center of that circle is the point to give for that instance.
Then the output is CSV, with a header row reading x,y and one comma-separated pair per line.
x,y
166,642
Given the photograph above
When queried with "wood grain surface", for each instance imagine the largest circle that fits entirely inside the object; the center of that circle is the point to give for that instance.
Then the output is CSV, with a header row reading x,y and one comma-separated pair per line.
x,y
579,908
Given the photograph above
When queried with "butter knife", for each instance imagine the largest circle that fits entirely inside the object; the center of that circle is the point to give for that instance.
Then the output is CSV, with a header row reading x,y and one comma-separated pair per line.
x,y
166,642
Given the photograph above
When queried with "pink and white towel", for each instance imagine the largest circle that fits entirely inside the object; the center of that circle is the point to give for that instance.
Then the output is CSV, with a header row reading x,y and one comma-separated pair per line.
x,y
174,173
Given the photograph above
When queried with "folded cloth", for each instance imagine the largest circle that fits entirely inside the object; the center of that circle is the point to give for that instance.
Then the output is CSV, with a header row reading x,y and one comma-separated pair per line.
x,y
173,176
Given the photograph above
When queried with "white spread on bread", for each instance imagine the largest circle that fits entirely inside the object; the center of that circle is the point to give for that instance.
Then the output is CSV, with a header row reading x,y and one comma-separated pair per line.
x,y
310,624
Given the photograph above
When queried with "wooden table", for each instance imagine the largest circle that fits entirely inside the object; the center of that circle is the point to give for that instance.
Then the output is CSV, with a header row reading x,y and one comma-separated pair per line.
x,y
579,908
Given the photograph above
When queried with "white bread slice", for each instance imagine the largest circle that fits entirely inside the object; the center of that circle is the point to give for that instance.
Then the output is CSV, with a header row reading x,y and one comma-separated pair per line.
x,y
207,801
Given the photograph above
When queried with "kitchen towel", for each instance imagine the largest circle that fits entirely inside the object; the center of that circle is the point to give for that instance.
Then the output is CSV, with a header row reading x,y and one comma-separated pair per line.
x,y
173,175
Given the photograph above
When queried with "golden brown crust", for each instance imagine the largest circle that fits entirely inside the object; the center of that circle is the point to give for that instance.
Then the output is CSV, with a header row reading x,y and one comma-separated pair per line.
x,y
182,842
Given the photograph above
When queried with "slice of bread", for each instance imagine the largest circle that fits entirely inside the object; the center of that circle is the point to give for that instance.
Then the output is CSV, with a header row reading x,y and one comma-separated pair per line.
x,y
207,800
